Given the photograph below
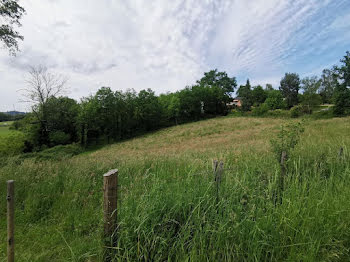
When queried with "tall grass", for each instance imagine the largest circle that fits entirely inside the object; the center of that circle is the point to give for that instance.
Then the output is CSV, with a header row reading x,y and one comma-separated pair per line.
x,y
168,209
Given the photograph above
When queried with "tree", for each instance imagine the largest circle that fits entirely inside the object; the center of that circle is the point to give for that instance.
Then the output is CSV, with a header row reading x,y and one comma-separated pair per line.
x,y
275,100
41,86
342,91
289,87
10,15
329,82
259,95
310,97
268,87
62,120
245,93
219,79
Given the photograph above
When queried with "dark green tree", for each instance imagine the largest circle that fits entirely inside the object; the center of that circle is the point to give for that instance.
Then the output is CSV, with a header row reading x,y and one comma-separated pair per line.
x,y
289,87
275,100
219,79
245,93
342,91
11,12
259,95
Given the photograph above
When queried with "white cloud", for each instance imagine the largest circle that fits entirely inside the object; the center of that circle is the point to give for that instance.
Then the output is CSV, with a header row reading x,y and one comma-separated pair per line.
x,y
164,45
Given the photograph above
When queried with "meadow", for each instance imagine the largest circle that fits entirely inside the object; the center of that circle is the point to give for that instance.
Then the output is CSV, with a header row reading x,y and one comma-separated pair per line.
x,y
4,128
167,203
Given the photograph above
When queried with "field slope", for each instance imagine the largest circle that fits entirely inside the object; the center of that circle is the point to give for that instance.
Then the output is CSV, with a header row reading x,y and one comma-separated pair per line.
x,y
168,208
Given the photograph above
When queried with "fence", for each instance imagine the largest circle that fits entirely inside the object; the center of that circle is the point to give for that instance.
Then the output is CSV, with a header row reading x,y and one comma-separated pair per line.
x,y
110,207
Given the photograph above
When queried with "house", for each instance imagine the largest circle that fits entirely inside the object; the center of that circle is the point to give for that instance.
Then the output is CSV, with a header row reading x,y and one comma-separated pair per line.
x,y
236,102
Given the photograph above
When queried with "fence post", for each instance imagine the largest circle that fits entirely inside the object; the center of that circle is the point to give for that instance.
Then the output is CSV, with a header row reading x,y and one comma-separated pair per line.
x,y
10,220
283,173
218,169
110,185
341,152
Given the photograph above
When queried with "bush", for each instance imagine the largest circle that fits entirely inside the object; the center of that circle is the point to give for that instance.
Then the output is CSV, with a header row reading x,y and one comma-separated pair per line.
x,y
12,144
296,111
260,110
59,138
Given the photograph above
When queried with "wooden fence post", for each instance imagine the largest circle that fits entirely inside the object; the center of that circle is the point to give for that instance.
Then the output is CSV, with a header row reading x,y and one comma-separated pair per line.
x,y
341,152
283,172
10,220
218,169
110,185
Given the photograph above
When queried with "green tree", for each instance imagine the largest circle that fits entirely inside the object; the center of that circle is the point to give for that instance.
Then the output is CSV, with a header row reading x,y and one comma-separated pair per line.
x,y
275,100
245,93
329,82
289,87
148,110
310,97
259,95
219,79
11,12
342,91
62,119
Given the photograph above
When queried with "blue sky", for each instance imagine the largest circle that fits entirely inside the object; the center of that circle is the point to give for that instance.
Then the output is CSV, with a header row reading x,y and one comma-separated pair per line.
x,y
166,45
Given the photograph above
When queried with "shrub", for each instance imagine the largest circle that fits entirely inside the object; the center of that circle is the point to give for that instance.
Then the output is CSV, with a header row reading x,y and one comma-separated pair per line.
x,y
59,138
287,138
12,144
260,110
296,111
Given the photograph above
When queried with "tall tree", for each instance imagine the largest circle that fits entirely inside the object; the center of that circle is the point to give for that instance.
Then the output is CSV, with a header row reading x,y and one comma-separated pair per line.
x,y
329,82
310,97
289,86
245,93
41,86
219,79
10,15
342,91
259,95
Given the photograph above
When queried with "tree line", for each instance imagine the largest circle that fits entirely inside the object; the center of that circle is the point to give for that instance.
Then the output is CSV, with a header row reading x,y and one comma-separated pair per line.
x,y
109,116
331,88
115,115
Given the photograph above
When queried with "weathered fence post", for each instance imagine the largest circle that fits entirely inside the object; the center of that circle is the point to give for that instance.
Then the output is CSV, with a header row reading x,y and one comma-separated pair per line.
x,y
283,173
341,152
110,185
218,169
10,220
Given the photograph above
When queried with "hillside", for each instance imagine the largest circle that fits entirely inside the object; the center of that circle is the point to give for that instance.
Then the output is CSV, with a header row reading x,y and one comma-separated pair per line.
x,y
167,207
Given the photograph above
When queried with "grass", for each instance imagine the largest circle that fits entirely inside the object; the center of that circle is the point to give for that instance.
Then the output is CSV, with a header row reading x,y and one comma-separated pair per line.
x,y
167,205
4,128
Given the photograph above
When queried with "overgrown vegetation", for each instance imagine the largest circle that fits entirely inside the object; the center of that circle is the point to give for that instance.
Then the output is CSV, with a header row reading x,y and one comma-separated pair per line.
x,y
167,207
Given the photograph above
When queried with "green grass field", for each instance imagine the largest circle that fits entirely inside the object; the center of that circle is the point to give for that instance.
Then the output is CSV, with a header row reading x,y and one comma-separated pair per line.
x,y
167,202
4,128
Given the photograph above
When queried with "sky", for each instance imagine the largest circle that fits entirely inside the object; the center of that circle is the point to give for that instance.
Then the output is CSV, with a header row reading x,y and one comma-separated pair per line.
x,y
166,45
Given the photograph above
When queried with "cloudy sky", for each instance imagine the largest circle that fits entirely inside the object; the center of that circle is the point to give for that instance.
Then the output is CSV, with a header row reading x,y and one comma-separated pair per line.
x,y
168,44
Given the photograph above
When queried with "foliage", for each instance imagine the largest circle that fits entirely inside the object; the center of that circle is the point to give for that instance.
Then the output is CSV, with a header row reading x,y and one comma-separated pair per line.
x,y
259,95
296,111
289,87
287,138
260,110
310,97
167,209
11,143
275,100
220,80
329,82
245,93
11,12
342,91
